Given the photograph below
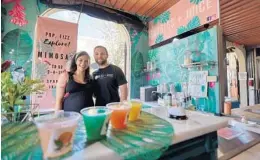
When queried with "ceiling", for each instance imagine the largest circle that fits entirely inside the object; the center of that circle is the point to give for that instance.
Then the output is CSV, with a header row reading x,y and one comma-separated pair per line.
x,y
240,19
147,8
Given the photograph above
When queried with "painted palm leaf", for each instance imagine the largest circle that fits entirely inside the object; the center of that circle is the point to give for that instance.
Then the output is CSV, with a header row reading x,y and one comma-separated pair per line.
x,y
163,18
159,38
146,138
152,54
137,64
135,37
21,43
156,20
195,22
181,30
195,1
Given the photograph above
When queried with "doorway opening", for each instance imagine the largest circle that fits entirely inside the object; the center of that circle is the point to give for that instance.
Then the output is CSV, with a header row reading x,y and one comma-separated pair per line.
x,y
233,90
93,32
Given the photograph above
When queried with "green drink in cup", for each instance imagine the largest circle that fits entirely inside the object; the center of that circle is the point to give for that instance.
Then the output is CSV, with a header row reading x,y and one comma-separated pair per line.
x,y
96,121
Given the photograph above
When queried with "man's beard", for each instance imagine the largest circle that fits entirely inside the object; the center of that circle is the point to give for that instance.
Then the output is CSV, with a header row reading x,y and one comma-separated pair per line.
x,y
102,62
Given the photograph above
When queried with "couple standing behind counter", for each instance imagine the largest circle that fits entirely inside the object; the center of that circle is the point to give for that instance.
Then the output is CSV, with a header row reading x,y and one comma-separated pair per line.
x,y
75,89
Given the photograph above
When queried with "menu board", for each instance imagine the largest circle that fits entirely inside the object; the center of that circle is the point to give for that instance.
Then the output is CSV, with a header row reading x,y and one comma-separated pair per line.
x,y
198,84
55,41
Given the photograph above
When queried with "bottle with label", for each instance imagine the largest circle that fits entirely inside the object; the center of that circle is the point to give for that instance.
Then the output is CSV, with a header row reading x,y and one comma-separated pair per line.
x,y
174,100
169,99
187,59
148,66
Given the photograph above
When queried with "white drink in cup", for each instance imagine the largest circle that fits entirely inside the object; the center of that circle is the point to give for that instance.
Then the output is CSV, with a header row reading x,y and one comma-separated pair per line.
x,y
56,132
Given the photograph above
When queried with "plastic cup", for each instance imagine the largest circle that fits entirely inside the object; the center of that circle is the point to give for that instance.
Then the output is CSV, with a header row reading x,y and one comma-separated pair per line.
x,y
119,115
135,110
56,132
96,122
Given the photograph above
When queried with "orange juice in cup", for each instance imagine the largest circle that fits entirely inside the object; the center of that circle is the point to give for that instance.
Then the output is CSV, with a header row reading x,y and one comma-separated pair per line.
x,y
135,110
119,115
56,132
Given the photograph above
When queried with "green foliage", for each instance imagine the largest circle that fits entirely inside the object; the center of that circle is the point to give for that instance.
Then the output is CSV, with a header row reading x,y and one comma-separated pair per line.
x,y
12,92
152,54
195,1
58,144
137,64
20,42
159,38
193,23
163,18
181,30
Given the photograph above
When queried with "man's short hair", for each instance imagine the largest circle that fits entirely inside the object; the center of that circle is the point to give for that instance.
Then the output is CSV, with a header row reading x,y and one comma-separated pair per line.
x,y
101,47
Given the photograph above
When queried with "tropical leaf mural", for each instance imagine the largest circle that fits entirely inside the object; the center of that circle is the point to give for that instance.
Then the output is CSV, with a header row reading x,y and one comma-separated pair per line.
x,y
20,42
195,1
146,138
139,49
163,18
181,30
137,64
170,57
159,38
193,23
152,54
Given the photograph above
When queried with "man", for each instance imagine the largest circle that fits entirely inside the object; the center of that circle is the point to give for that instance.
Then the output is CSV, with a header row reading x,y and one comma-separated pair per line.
x,y
108,79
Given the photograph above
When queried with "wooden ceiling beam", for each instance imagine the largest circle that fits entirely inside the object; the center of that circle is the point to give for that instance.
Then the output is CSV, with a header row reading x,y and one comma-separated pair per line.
x,y
101,2
119,4
236,19
165,8
242,9
110,3
130,4
158,7
232,31
139,5
248,23
233,4
255,36
154,7
222,2
145,8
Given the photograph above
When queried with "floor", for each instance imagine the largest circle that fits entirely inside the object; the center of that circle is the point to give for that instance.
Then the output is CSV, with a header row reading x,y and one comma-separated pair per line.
x,y
252,153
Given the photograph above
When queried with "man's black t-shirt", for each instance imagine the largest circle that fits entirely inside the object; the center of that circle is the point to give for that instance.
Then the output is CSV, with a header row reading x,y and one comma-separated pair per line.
x,y
107,81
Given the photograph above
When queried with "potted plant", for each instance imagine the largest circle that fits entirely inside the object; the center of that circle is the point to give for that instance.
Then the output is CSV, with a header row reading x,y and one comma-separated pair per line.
x,y
13,93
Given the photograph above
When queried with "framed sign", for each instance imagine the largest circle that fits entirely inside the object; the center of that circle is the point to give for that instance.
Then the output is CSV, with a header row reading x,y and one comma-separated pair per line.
x,y
55,41
198,85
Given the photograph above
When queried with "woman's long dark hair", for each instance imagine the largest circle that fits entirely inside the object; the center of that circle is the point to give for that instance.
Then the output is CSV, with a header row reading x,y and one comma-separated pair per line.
x,y
73,65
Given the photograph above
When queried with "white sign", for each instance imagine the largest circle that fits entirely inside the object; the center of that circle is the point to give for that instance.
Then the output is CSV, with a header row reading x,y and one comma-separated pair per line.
x,y
198,85
242,76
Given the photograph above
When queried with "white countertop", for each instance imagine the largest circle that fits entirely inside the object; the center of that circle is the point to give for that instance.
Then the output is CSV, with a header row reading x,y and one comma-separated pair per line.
x,y
196,125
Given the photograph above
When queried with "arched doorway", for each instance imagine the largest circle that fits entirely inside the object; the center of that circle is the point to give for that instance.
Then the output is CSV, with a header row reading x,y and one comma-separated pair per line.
x,y
240,52
17,45
93,32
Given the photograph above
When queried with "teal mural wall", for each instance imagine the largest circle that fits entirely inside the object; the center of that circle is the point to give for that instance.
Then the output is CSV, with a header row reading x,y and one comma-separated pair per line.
x,y
170,57
20,39
139,50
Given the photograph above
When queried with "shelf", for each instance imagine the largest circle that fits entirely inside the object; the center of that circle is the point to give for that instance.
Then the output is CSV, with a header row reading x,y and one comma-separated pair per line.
x,y
199,64
156,70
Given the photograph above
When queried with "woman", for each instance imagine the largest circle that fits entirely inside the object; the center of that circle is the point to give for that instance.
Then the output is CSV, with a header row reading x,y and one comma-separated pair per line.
x,y
74,89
